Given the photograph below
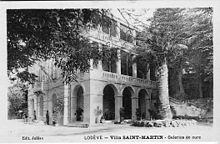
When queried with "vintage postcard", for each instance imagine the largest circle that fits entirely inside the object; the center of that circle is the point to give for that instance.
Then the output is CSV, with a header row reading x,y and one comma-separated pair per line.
x,y
109,71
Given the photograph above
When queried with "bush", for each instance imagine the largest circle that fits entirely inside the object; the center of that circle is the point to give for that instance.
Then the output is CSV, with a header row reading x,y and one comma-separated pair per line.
x,y
165,123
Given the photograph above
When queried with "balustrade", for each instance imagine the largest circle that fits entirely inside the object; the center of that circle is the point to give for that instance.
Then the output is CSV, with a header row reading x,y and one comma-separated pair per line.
x,y
127,79
107,38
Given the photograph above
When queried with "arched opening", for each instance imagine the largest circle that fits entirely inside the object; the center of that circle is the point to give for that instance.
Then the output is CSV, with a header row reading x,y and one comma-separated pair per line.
x,y
79,103
108,103
41,106
142,103
127,93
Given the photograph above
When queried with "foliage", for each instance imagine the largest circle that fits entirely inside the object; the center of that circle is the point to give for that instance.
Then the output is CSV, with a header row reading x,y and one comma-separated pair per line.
x,y
17,99
41,34
59,106
200,56
165,35
182,37
166,41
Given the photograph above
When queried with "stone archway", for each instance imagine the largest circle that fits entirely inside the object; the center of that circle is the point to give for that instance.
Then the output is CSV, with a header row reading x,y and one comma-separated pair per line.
x,y
127,102
109,102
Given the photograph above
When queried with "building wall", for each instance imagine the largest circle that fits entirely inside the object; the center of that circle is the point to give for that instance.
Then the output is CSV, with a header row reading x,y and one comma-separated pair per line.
x,y
92,84
56,88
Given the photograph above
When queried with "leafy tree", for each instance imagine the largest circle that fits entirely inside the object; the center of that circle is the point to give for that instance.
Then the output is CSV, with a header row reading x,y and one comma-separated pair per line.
x,y
174,39
17,99
41,34
165,42
200,55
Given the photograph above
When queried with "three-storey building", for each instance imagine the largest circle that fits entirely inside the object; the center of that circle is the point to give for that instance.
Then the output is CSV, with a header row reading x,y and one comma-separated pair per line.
x,y
103,90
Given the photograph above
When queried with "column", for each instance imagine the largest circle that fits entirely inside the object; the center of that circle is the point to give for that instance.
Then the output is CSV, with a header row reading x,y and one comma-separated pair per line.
x,y
91,60
91,64
118,30
73,108
96,106
134,101
38,107
31,107
65,99
118,105
134,67
100,62
118,63
42,85
148,103
134,35
86,113
148,73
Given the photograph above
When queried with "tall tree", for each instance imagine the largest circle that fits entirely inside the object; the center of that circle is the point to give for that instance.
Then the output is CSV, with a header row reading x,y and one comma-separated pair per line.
x,y
200,55
165,41
40,34
178,39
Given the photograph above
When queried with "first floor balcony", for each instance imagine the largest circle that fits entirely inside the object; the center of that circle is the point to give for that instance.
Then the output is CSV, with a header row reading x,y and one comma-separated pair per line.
x,y
122,79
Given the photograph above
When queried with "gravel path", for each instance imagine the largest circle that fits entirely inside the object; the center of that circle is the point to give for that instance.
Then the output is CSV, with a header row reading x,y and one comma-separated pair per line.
x,y
17,131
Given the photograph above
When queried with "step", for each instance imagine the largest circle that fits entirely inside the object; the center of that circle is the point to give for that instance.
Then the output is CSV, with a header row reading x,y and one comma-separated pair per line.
x,y
78,125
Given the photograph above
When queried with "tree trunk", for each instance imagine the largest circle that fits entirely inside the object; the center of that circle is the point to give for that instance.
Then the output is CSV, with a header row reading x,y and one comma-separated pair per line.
x,y
165,110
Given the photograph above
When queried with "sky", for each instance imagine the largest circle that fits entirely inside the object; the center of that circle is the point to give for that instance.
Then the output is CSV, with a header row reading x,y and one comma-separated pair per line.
x,y
137,17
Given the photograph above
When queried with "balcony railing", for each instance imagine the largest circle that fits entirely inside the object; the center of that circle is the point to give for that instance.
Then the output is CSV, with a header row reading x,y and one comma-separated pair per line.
x,y
116,78
99,35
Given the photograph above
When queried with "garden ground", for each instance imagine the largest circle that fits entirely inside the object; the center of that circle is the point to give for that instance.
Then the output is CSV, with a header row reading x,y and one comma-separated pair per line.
x,y
17,131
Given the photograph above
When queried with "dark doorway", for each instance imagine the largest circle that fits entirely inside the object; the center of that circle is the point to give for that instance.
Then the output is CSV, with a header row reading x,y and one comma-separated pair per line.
x,y
142,103
80,105
127,103
109,103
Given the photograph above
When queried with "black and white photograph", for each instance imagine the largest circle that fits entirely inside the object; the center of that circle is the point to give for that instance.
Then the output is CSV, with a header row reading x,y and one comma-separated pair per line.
x,y
116,73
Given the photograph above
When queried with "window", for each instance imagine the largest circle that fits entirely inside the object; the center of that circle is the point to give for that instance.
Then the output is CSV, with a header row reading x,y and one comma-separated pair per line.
x,y
126,33
95,58
113,30
139,42
95,23
105,25
126,63
109,26
109,66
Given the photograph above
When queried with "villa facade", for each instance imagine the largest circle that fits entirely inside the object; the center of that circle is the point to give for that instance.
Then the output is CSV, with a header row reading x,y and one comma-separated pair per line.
x,y
101,91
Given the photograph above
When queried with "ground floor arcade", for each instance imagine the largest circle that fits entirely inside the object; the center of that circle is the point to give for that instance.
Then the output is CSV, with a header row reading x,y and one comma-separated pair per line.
x,y
88,101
